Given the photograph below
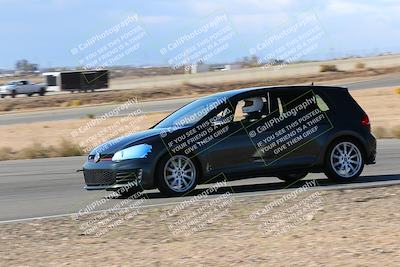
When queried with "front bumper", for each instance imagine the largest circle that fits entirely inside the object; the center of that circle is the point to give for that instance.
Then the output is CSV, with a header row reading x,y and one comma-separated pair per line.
x,y
107,174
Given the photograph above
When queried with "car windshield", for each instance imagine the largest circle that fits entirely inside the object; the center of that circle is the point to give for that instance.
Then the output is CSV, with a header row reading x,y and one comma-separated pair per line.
x,y
12,83
192,112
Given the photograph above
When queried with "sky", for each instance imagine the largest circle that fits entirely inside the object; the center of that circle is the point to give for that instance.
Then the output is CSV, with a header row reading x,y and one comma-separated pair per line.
x,y
46,31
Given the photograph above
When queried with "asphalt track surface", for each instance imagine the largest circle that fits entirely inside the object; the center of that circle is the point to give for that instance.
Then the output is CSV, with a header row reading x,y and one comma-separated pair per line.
x,y
46,188
155,106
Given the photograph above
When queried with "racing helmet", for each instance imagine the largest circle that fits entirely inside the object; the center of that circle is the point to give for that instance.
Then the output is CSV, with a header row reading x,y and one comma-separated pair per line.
x,y
254,104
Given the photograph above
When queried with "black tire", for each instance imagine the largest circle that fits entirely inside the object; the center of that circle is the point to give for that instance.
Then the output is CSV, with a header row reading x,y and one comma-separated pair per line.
x,y
335,161
13,93
42,92
293,177
29,95
162,171
2,96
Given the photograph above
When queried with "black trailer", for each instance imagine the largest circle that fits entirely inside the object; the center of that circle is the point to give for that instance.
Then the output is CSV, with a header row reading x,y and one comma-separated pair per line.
x,y
77,80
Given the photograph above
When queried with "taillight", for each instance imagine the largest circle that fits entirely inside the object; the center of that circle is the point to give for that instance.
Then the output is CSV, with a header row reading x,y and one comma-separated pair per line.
x,y
365,120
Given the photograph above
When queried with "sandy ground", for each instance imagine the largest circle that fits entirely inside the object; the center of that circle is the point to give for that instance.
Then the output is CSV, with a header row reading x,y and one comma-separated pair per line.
x,y
258,73
250,74
19,136
344,228
191,86
381,104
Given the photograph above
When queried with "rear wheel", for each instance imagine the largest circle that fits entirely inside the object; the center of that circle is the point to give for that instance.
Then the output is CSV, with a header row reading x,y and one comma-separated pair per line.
x,y
293,177
344,161
177,175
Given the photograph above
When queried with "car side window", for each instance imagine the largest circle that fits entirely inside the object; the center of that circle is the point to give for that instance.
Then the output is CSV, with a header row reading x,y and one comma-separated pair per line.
x,y
224,116
321,103
239,115
282,101
280,106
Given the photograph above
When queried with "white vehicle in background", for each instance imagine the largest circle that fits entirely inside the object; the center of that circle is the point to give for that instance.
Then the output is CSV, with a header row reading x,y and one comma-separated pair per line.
x,y
14,88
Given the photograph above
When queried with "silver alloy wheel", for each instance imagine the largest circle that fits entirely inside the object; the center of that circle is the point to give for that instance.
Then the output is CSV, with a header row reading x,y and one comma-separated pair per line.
x,y
179,173
346,159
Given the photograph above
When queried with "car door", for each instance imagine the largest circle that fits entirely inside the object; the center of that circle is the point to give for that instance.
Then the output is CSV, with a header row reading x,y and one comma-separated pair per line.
x,y
20,89
287,137
24,89
234,151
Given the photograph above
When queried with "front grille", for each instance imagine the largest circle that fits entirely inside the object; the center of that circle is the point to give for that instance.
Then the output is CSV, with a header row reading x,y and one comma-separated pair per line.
x,y
98,177
129,176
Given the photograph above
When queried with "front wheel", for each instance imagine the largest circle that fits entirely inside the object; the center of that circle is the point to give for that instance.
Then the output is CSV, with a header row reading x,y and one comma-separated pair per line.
x,y
177,175
344,161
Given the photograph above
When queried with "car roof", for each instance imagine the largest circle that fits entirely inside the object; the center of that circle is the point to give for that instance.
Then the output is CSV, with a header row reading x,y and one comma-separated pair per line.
x,y
237,92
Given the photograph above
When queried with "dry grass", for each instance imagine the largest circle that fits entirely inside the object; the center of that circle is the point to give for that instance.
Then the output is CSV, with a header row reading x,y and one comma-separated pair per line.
x,y
382,106
42,139
36,150
380,132
328,68
396,131
360,66
6,153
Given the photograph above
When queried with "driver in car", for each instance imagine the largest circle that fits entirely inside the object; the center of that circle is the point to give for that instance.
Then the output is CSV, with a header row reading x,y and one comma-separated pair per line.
x,y
252,109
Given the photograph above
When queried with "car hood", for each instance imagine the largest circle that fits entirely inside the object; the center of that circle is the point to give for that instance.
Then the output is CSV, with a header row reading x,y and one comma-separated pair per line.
x,y
119,143
6,87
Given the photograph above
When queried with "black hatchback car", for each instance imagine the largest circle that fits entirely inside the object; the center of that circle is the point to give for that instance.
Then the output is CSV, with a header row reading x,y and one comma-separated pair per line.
x,y
286,132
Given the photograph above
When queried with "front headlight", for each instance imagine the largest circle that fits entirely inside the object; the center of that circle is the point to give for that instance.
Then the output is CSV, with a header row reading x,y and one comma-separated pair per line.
x,y
133,152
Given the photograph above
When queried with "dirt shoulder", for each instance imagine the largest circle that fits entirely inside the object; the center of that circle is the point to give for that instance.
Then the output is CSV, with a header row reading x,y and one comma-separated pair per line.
x,y
186,89
383,109
38,139
347,228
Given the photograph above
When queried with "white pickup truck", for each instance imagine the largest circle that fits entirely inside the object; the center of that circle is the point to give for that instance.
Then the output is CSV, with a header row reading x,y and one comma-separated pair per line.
x,y
14,88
